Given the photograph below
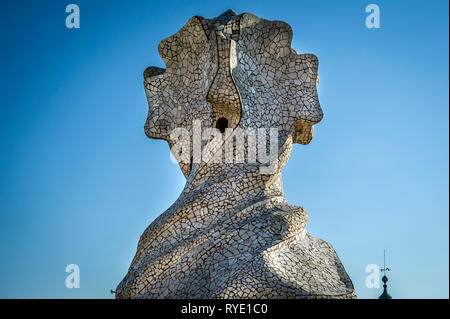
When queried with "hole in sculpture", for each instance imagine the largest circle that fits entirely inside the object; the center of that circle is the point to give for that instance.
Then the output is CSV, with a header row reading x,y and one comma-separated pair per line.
x,y
222,124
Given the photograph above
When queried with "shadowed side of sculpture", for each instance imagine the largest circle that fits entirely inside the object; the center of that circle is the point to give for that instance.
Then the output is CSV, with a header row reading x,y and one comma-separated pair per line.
x,y
231,234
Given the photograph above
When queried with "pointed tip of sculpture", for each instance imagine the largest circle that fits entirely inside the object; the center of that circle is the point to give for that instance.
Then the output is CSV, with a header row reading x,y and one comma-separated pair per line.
x,y
227,15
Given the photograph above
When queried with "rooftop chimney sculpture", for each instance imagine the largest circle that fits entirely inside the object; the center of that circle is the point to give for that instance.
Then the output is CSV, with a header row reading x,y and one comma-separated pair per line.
x,y
232,100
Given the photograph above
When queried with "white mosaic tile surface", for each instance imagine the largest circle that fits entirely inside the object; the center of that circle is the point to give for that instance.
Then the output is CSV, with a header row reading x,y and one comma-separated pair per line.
x,y
231,234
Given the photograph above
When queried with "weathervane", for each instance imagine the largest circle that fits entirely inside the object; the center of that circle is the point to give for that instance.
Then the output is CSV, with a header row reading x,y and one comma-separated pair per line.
x,y
384,262
385,294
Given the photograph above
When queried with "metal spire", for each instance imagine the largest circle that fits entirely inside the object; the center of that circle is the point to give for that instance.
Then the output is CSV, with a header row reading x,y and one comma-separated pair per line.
x,y
385,294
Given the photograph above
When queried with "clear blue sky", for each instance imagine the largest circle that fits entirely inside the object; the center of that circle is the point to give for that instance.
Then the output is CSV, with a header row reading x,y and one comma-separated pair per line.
x,y
80,181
